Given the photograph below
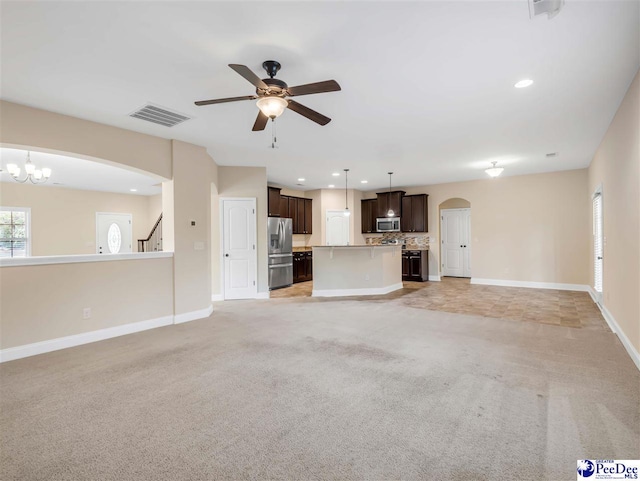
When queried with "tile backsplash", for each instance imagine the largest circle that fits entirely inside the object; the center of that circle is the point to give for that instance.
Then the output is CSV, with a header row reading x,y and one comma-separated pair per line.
x,y
412,240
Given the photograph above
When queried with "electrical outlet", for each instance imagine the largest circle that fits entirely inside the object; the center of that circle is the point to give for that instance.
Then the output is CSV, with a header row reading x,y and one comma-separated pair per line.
x,y
86,313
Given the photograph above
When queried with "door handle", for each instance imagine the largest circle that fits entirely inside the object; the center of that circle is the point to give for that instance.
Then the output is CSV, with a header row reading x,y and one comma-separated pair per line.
x,y
226,255
599,258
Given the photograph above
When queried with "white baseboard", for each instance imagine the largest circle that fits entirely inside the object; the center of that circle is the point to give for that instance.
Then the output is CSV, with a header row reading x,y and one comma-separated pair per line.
x,y
615,328
193,315
534,285
217,297
355,292
263,295
434,278
42,347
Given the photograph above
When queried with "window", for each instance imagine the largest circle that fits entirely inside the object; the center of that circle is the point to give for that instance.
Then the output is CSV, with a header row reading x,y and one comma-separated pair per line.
x,y
15,231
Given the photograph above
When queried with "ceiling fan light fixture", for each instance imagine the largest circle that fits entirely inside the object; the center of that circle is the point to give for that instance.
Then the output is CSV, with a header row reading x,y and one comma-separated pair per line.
x,y
272,107
494,171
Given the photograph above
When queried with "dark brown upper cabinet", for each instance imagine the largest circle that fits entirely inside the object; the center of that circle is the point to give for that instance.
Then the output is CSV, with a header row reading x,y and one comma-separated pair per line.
x,y
308,217
284,206
300,212
369,212
390,200
414,213
274,201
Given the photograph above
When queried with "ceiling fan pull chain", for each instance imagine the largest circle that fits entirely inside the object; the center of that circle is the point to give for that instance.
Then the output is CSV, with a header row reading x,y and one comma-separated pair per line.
x,y
274,139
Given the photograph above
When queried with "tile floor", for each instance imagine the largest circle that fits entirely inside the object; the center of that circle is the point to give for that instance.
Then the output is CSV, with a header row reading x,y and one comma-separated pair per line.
x,y
547,306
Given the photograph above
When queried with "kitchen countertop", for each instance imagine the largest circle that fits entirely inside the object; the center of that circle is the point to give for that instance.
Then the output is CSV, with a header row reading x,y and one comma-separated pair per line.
x,y
408,248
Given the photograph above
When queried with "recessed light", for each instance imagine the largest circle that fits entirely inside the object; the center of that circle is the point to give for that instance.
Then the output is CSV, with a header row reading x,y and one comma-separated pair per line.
x,y
331,186
133,190
301,179
336,174
523,83
364,181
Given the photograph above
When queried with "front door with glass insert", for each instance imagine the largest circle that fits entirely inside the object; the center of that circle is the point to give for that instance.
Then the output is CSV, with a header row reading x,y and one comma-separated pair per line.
x,y
113,233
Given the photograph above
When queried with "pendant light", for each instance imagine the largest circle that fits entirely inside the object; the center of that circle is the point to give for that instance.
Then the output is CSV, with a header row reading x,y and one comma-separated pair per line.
x,y
390,212
347,212
494,171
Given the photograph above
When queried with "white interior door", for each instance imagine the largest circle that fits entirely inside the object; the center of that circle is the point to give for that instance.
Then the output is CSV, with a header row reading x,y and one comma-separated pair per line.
x,y
239,248
337,232
455,232
598,246
113,233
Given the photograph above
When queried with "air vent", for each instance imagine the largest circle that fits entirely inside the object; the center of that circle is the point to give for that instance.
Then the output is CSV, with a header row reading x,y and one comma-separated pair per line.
x,y
159,115
552,154
540,7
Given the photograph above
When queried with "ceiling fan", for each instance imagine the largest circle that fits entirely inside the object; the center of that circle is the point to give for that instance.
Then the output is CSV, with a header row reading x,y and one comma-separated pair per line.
x,y
271,94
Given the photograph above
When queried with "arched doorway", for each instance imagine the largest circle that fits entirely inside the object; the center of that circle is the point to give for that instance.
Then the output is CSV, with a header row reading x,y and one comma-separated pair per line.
x,y
455,237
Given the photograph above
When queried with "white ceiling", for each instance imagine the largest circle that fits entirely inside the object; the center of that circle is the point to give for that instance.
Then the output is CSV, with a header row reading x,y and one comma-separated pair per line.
x,y
75,173
427,87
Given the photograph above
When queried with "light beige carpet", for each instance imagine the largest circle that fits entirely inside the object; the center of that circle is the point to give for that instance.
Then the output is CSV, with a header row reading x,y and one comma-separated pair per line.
x,y
295,389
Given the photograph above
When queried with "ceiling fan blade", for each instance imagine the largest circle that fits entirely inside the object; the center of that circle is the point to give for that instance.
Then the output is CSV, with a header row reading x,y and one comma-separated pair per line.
x,y
247,73
222,101
314,88
308,113
261,122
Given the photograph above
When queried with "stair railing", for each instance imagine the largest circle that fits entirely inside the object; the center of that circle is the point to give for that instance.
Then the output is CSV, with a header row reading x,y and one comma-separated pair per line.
x,y
153,243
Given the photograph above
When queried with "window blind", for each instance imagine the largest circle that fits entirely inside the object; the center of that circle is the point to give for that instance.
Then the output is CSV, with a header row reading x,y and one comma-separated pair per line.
x,y
597,242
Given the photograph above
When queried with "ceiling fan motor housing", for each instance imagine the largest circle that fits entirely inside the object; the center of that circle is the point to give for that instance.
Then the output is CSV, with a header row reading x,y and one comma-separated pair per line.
x,y
276,87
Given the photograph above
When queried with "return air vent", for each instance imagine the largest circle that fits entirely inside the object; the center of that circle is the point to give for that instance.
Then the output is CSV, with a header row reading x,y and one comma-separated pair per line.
x,y
540,7
159,115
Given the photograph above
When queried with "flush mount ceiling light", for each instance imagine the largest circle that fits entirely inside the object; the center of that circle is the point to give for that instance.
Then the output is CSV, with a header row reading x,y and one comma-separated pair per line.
x,y
331,186
494,171
336,174
364,181
347,212
390,212
133,190
35,175
272,107
301,179
523,83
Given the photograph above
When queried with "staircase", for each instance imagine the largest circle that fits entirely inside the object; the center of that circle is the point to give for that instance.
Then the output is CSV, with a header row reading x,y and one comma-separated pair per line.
x,y
153,243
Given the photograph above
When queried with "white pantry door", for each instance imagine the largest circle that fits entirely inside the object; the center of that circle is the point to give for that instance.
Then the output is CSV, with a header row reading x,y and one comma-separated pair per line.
x,y
337,233
455,232
113,233
239,248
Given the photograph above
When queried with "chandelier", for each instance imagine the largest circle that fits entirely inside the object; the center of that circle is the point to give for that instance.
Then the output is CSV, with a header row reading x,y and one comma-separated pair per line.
x,y
35,175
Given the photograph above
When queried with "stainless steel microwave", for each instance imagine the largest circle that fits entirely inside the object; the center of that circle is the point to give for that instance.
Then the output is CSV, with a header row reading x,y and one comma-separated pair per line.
x,y
388,224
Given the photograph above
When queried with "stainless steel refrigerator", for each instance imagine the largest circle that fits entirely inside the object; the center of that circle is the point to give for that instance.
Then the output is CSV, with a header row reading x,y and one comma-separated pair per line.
x,y
280,233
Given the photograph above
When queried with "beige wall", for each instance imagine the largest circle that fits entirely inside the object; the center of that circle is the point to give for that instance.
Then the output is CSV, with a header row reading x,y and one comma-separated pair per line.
x,y
246,182
185,197
63,221
616,168
192,179
22,126
524,228
118,292
154,206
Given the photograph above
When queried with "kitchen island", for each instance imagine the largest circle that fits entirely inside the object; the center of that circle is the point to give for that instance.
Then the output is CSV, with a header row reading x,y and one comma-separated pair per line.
x,y
359,270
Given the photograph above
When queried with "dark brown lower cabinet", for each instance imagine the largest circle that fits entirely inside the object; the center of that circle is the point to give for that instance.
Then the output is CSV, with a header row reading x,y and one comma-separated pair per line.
x,y
302,266
415,265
